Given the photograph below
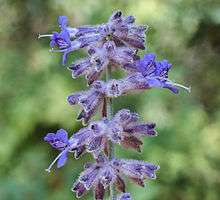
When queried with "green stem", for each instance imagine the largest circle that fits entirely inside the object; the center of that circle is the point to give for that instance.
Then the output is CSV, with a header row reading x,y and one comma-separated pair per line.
x,y
109,116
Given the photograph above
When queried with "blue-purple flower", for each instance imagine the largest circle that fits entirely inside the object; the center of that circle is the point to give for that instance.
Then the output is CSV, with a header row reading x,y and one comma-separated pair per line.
x,y
60,141
124,196
90,101
123,30
93,99
119,29
124,129
107,172
100,57
63,40
155,73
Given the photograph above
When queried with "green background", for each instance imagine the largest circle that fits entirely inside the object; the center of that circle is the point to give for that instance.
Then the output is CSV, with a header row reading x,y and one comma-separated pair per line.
x,y
34,87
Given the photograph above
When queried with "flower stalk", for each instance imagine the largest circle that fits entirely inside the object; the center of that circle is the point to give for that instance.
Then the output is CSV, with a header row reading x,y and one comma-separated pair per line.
x,y
109,113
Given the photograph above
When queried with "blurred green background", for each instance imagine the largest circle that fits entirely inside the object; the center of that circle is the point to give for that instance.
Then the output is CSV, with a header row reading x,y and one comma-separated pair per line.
x,y
34,86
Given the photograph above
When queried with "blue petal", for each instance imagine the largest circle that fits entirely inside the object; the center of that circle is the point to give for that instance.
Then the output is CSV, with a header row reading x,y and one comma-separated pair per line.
x,y
148,58
154,83
52,43
64,34
62,135
49,137
62,20
64,58
162,68
62,160
147,65
124,196
61,40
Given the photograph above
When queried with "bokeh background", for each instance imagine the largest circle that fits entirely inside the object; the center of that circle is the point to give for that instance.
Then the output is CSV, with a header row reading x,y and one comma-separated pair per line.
x,y
34,86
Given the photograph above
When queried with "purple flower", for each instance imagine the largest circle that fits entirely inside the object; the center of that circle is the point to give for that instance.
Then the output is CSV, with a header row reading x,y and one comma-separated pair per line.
x,y
123,30
131,129
100,57
79,189
62,21
88,139
60,40
93,99
120,30
63,40
89,178
105,173
124,129
155,74
60,141
124,196
89,101
136,169
137,82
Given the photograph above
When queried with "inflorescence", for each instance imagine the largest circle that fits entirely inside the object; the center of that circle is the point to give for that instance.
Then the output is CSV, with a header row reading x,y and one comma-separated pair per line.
x,y
108,46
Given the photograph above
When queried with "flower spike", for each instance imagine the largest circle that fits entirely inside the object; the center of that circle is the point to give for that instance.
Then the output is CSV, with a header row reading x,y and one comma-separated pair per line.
x,y
109,46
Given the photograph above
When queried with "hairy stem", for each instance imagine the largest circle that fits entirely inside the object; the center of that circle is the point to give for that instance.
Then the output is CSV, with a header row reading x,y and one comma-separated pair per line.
x,y
109,106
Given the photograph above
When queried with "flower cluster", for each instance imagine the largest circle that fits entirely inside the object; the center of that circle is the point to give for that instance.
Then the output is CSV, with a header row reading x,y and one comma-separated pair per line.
x,y
123,129
101,56
107,172
109,46
147,73
120,29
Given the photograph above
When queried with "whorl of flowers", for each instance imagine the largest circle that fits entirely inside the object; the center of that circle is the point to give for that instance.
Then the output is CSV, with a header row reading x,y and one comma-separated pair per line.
x,y
108,46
